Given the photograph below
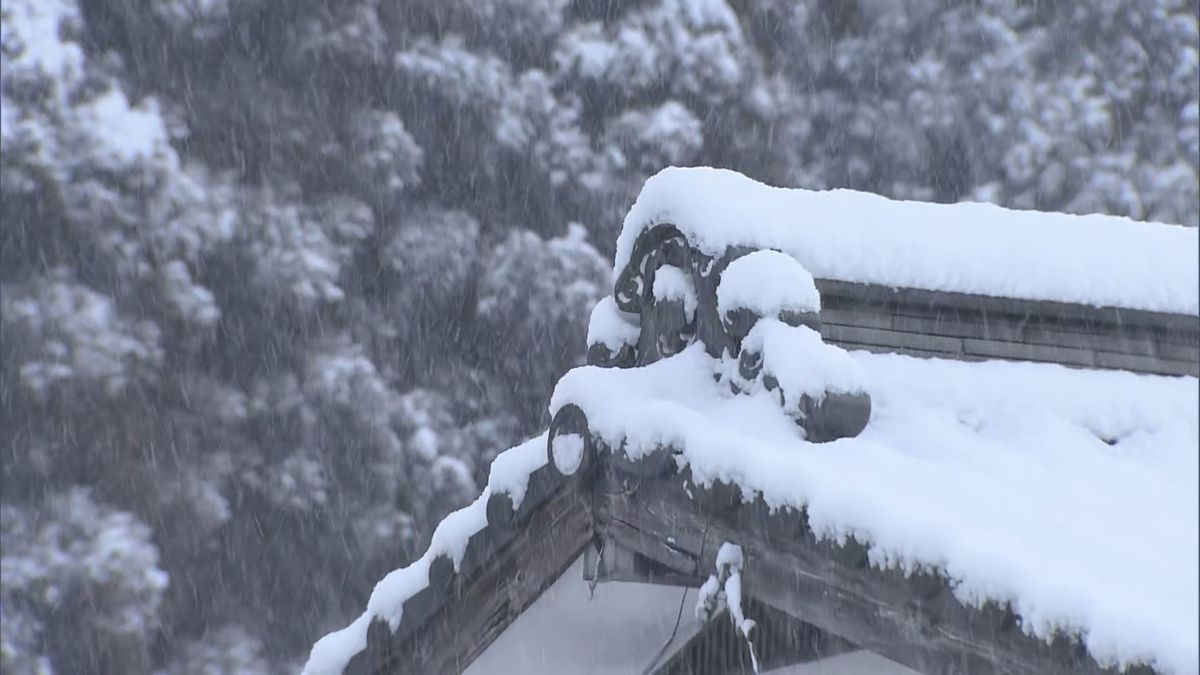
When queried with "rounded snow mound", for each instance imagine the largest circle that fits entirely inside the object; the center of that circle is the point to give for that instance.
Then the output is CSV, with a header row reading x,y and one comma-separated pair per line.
x,y
767,283
611,327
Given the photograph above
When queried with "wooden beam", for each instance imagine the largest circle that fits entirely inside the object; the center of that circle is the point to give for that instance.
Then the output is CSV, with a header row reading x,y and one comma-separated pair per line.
x,y
779,640
913,620
450,627
616,562
1072,316
966,326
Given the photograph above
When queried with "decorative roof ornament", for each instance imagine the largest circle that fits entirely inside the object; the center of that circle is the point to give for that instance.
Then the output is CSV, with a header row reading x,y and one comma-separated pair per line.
x,y
755,310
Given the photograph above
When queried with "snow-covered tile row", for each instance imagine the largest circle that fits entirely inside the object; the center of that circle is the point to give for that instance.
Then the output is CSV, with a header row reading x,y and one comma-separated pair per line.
x,y
969,247
1069,493
510,473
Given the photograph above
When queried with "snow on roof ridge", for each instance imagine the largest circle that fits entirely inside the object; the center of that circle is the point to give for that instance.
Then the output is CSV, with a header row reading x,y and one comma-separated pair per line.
x,y
1007,431
767,282
976,248
960,468
803,363
510,473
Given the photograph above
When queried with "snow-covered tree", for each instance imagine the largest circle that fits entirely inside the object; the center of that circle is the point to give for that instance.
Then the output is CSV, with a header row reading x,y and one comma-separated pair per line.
x,y
278,279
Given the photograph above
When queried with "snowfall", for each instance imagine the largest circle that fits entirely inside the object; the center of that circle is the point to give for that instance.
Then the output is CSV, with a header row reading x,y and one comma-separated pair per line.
x,y
1069,493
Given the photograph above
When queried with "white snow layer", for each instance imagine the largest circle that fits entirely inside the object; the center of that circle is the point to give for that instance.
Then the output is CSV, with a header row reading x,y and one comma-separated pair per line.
x,y
802,362
968,247
673,283
707,598
729,555
568,452
509,473
1069,493
610,326
767,282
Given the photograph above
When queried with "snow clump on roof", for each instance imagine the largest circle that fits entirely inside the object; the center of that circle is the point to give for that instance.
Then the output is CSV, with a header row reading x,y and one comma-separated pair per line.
x,y
767,283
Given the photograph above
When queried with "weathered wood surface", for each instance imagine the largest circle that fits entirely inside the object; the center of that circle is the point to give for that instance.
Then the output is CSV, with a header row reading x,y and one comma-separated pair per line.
x,y
976,327
779,640
448,625
614,562
913,620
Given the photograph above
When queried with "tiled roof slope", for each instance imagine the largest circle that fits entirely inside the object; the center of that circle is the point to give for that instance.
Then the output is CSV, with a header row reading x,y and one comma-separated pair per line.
x,y
946,513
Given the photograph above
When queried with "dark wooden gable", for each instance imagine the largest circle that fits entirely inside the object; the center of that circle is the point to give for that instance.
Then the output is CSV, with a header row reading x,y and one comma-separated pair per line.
x,y
647,521
506,566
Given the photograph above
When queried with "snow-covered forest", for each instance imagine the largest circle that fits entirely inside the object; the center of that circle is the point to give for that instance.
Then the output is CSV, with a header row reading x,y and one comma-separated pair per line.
x,y
280,278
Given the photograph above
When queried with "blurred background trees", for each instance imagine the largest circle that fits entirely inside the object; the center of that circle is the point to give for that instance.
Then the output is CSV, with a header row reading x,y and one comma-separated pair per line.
x,y
279,278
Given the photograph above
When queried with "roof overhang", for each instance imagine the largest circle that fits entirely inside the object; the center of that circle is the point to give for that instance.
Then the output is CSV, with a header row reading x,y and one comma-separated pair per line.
x,y
651,520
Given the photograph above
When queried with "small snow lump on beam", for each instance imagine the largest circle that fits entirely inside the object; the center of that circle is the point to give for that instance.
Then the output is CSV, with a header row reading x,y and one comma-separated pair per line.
x,y
767,283
612,335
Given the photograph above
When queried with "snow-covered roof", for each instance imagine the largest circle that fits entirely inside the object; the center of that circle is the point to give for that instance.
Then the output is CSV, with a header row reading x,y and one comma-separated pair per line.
x,y
969,247
1069,493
